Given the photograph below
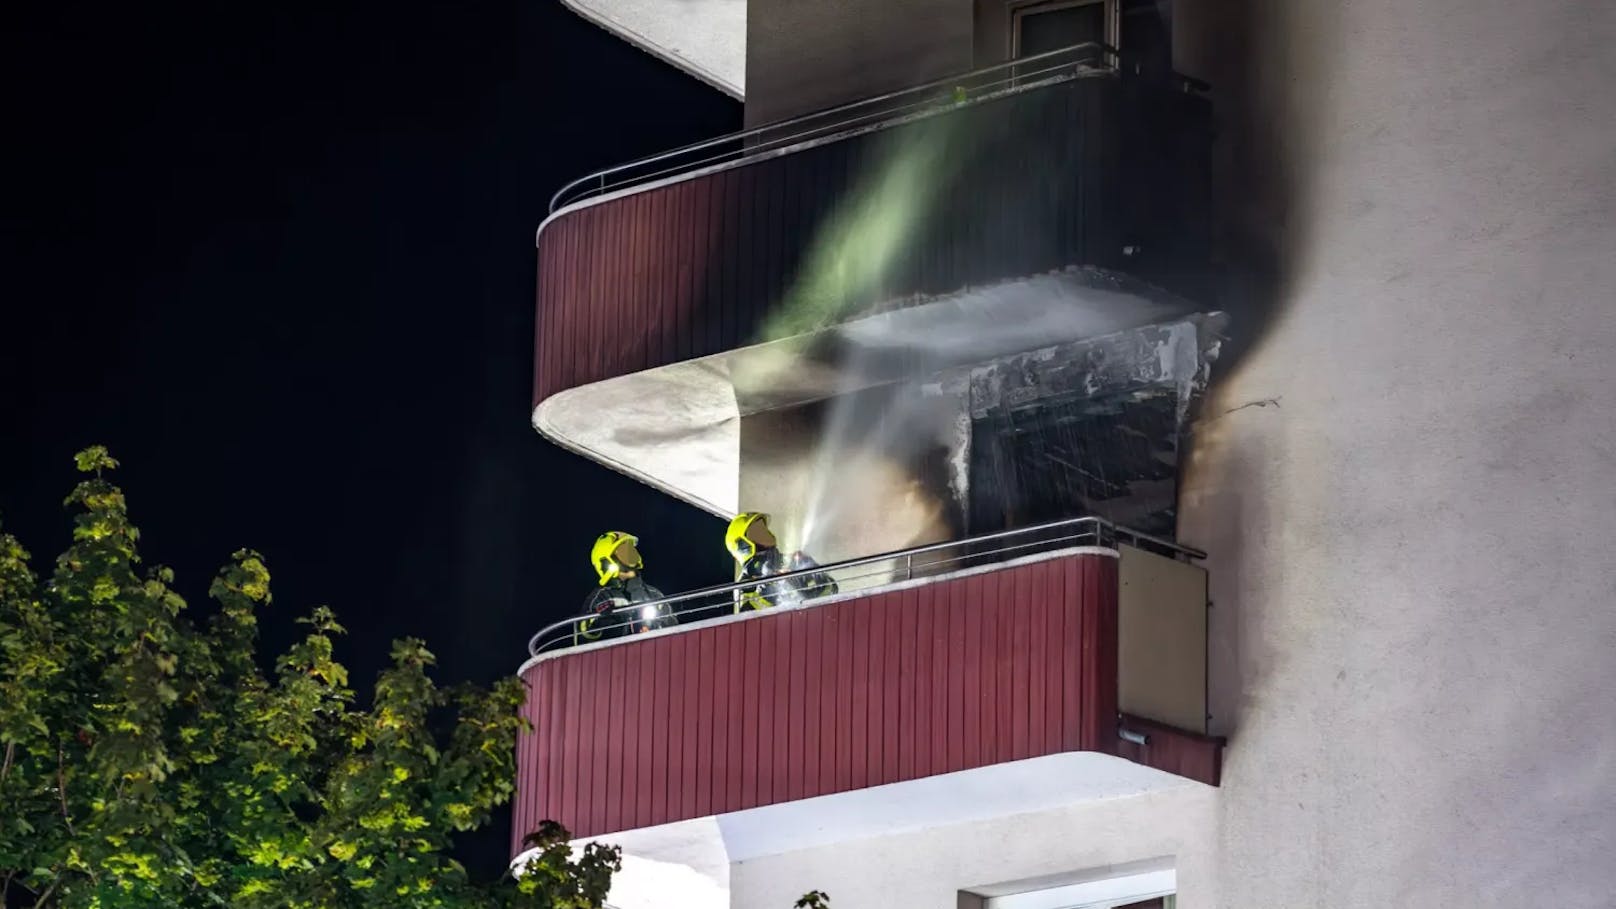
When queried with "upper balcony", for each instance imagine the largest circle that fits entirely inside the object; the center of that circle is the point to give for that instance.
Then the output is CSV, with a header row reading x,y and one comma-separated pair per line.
x,y
1077,639
1042,202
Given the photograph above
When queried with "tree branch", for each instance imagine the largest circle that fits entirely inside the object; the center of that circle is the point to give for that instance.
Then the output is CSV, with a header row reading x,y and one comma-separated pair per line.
x,y
5,768
46,895
61,793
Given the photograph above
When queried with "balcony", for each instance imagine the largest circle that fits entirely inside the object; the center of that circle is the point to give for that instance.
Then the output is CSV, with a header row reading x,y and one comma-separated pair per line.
x,y
1071,637
702,295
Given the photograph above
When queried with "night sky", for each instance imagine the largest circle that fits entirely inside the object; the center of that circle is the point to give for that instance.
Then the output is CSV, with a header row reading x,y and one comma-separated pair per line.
x,y
280,260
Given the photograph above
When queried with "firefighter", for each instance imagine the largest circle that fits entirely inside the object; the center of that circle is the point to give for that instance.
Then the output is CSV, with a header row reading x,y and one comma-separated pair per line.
x,y
757,556
614,609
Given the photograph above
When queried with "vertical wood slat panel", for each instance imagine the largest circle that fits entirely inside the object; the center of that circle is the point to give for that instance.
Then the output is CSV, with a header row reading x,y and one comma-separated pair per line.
x,y
735,653
1013,678
691,725
1075,709
994,731
591,297
675,774
695,257
973,733
705,716
925,638
903,615
963,684
788,705
780,718
544,340
716,765
742,261
622,291
531,757
842,707
818,762
660,272
763,653
1050,670
600,707
1098,659
875,736
581,758
617,730
752,634
1037,657
565,803
661,710
629,276
941,612
796,715
891,688
633,730
858,710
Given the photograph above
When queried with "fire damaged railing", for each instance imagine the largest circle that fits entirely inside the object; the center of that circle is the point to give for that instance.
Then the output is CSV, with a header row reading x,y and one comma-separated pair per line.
x,y
863,576
1023,73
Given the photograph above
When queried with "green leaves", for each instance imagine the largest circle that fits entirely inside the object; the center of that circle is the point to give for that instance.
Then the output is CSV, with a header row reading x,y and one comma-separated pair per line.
x,y
94,460
148,760
551,878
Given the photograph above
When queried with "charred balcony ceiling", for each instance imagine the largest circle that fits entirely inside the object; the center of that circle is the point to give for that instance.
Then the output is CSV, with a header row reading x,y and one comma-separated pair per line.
x,y
1042,207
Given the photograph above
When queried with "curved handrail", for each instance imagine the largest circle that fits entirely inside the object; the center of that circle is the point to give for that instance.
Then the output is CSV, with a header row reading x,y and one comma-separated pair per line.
x,y
1023,72
713,598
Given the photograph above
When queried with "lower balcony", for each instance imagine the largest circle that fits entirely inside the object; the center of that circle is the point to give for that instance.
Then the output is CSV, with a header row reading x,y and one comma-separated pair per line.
x,y
1072,637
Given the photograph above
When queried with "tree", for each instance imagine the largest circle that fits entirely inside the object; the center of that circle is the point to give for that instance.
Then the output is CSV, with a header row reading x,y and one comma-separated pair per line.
x,y
149,760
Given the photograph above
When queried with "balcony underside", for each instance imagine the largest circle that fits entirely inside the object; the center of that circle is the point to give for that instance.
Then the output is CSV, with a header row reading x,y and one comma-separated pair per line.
x,y
705,38
753,428
687,863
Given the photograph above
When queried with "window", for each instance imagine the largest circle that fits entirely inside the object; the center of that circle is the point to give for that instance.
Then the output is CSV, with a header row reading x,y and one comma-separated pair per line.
x,y
1145,890
1048,25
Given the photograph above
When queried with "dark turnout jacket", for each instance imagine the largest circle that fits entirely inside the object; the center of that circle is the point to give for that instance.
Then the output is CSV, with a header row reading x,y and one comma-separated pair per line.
x,y
768,562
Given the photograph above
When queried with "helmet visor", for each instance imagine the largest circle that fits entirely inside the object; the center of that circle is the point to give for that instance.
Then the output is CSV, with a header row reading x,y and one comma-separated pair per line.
x,y
760,535
627,556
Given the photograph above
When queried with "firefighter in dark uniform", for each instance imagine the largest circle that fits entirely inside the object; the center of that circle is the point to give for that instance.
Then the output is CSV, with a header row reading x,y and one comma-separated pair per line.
x,y
758,556
618,607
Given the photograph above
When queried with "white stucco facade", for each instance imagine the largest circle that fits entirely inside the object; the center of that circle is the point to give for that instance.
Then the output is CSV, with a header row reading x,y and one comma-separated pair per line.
x,y
1414,643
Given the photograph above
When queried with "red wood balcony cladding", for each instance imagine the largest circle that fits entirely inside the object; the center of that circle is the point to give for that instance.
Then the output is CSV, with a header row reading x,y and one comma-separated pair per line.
x,y
961,673
1057,176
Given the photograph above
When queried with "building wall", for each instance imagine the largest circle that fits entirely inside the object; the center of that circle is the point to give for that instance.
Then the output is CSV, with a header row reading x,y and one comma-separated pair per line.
x,y
806,55
1405,476
840,486
931,867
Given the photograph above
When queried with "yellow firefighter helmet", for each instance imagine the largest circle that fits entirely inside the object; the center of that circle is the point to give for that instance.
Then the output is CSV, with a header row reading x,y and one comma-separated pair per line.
x,y
607,558
737,538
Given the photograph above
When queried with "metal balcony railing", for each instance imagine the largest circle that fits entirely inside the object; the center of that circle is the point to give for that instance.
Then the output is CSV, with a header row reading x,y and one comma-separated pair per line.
x,y
1021,74
862,576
